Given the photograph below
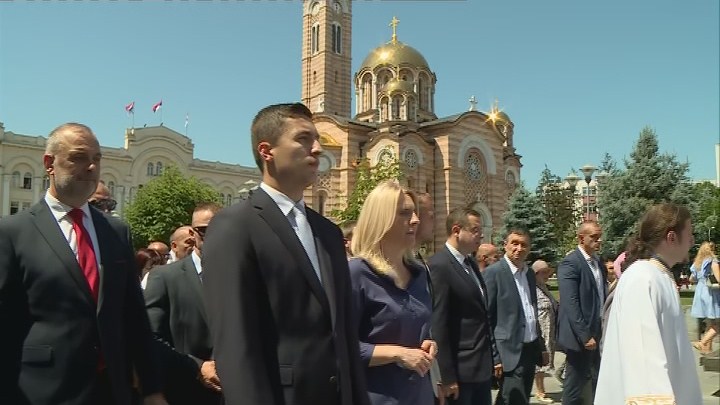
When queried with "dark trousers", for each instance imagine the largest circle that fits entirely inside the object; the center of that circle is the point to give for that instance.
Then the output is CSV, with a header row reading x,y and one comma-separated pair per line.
x,y
474,394
517,384
102,393
580,377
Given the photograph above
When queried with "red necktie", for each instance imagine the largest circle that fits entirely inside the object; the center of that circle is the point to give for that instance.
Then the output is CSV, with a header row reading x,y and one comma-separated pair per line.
x,y
85,252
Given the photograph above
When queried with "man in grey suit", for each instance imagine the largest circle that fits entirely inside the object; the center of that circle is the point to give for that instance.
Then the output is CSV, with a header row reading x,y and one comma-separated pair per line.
x,y
583,289
512,306
74,326
175,305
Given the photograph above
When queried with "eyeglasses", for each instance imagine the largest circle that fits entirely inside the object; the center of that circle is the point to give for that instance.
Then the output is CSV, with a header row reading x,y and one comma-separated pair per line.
x,y
200,230
104,205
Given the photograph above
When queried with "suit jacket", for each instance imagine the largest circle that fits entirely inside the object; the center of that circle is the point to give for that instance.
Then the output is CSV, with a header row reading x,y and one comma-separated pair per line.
x,y
460,322
53,332
506,313
175,306
280,336
580,311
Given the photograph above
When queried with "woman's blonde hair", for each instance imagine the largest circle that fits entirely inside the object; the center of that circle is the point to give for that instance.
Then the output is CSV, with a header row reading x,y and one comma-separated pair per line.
x,y
707,249
376,218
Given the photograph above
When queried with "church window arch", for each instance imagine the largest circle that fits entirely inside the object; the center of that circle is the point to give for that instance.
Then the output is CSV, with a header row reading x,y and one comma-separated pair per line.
x,y
111,187
150,169
158,168
336,38
396,107
411,159
366,86
315,38
475,177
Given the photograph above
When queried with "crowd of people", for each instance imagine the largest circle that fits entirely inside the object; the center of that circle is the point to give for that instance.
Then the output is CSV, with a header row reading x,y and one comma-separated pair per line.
x,y
269,302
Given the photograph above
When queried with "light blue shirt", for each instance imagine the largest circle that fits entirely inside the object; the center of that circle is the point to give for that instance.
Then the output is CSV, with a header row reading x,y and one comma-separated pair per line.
x,y
520,277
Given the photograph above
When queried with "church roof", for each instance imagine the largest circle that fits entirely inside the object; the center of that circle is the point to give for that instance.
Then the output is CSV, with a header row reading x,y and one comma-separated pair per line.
x,y
395,53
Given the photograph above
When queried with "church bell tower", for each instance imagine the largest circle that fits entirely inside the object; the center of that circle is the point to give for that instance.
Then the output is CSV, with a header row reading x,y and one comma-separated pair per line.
x,y
326,76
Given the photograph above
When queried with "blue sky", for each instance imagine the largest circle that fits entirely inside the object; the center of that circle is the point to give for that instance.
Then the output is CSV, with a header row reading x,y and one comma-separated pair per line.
x,y
578,78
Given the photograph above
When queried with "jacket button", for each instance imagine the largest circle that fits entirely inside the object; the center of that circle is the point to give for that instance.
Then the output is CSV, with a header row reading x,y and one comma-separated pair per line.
x,y
333,380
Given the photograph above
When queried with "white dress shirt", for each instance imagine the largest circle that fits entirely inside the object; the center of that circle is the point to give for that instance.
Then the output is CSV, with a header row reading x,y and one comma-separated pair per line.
x,y
461,259
595,267
520,277
61,213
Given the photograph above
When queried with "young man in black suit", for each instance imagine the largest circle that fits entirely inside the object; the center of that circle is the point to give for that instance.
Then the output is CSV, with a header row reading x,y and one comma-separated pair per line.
x,y
512,305
277,286
582,283
460,322
175,305
74,323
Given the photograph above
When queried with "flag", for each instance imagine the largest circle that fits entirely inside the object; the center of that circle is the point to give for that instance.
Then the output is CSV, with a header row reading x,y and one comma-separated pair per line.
x,y
157,106
187,120
130,108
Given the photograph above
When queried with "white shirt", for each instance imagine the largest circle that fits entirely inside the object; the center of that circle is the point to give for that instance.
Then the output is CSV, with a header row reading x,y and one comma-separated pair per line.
x,y
61,213
286,206
197,262
595,267
520,277
647,353
461,259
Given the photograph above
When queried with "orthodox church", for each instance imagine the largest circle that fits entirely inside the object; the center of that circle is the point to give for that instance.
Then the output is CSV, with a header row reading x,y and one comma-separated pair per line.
x,y
467,159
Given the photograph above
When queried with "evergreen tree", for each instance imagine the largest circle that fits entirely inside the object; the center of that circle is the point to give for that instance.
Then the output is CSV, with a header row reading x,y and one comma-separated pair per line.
x,y
559,205
706,222
368,177
165,203
525,211
649,178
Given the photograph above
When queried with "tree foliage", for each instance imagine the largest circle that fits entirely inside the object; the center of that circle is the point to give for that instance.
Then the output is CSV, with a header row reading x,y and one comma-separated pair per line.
x,y
649,178
560,211
165,203
525,211
368,177
706,220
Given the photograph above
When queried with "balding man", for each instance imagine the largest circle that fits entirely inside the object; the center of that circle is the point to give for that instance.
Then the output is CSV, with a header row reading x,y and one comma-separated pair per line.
x,y
582,283
486,255
102,199
162,249
182,243
74,323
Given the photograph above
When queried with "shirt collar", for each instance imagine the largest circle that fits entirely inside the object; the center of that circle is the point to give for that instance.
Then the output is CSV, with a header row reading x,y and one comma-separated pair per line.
x,y
456,254
196,261
61,210
585,255
285,203
514,268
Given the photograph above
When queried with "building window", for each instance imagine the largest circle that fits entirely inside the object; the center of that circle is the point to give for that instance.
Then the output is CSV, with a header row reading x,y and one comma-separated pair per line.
x,y
222,198
158,169
337,38
27,181
150,169
14,207
16,180
322,199
228,199
411,159
476,179
111,187
315,39
46,182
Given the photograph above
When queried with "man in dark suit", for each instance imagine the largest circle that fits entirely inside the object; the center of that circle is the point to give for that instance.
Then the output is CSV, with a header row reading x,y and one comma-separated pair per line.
x,y
277,286
460,321
74,324
175,305
583,289
512,305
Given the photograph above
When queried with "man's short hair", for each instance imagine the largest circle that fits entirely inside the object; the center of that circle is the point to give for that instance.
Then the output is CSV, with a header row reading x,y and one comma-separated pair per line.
x,y
52,146
268,124
517,231
459,216
208,206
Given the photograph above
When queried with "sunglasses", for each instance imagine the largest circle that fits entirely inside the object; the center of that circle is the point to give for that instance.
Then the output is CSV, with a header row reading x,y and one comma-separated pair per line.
x,y
104,205
200,230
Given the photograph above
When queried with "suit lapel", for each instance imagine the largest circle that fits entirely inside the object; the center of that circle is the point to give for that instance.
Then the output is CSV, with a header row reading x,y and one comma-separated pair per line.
x,y
507,274
460,271
50,230
102,232
193,280
270,212
325,262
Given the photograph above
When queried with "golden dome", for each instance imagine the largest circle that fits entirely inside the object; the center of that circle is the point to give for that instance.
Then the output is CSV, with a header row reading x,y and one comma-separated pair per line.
x,y
395,53
501,116
398,85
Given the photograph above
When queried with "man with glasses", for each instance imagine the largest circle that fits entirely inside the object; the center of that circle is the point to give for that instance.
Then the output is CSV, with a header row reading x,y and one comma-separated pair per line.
x,y
173,299
102,199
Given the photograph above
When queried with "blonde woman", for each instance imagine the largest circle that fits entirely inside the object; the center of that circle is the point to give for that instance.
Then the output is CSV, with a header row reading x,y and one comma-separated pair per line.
x,y
392,301
706,301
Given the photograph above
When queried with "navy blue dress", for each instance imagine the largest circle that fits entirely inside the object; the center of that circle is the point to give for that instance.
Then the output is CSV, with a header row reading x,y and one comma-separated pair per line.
x,y
387,314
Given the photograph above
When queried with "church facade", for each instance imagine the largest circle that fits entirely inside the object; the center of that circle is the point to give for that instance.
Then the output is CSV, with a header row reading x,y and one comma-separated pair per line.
x,y
467,159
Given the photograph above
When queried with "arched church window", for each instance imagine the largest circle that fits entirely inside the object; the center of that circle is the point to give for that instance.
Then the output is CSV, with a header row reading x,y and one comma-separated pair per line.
x,y
337,7
411,159
510,183
315,38
336,38
396,104
158,168
111,187
385,156
150,169
476,179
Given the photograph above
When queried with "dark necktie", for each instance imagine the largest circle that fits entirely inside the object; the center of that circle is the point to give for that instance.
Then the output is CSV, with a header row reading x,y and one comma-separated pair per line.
x,y
85,252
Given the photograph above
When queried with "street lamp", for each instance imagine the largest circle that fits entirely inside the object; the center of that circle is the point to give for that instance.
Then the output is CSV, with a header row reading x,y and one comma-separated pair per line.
x,y
587,171
712,228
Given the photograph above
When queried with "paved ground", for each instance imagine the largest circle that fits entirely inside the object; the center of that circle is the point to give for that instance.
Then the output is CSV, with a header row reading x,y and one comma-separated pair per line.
x,y
709,381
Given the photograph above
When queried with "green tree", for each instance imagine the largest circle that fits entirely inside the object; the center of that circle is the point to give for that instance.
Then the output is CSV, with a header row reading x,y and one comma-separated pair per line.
x,y
525,211
649,178
165,203
559,205
367,178
706,220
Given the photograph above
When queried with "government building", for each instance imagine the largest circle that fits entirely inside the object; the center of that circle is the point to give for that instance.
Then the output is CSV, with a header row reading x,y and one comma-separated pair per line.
x,y
466,159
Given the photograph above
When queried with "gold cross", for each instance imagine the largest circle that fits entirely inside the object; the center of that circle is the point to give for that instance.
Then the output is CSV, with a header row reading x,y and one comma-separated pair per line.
x,y
394,23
